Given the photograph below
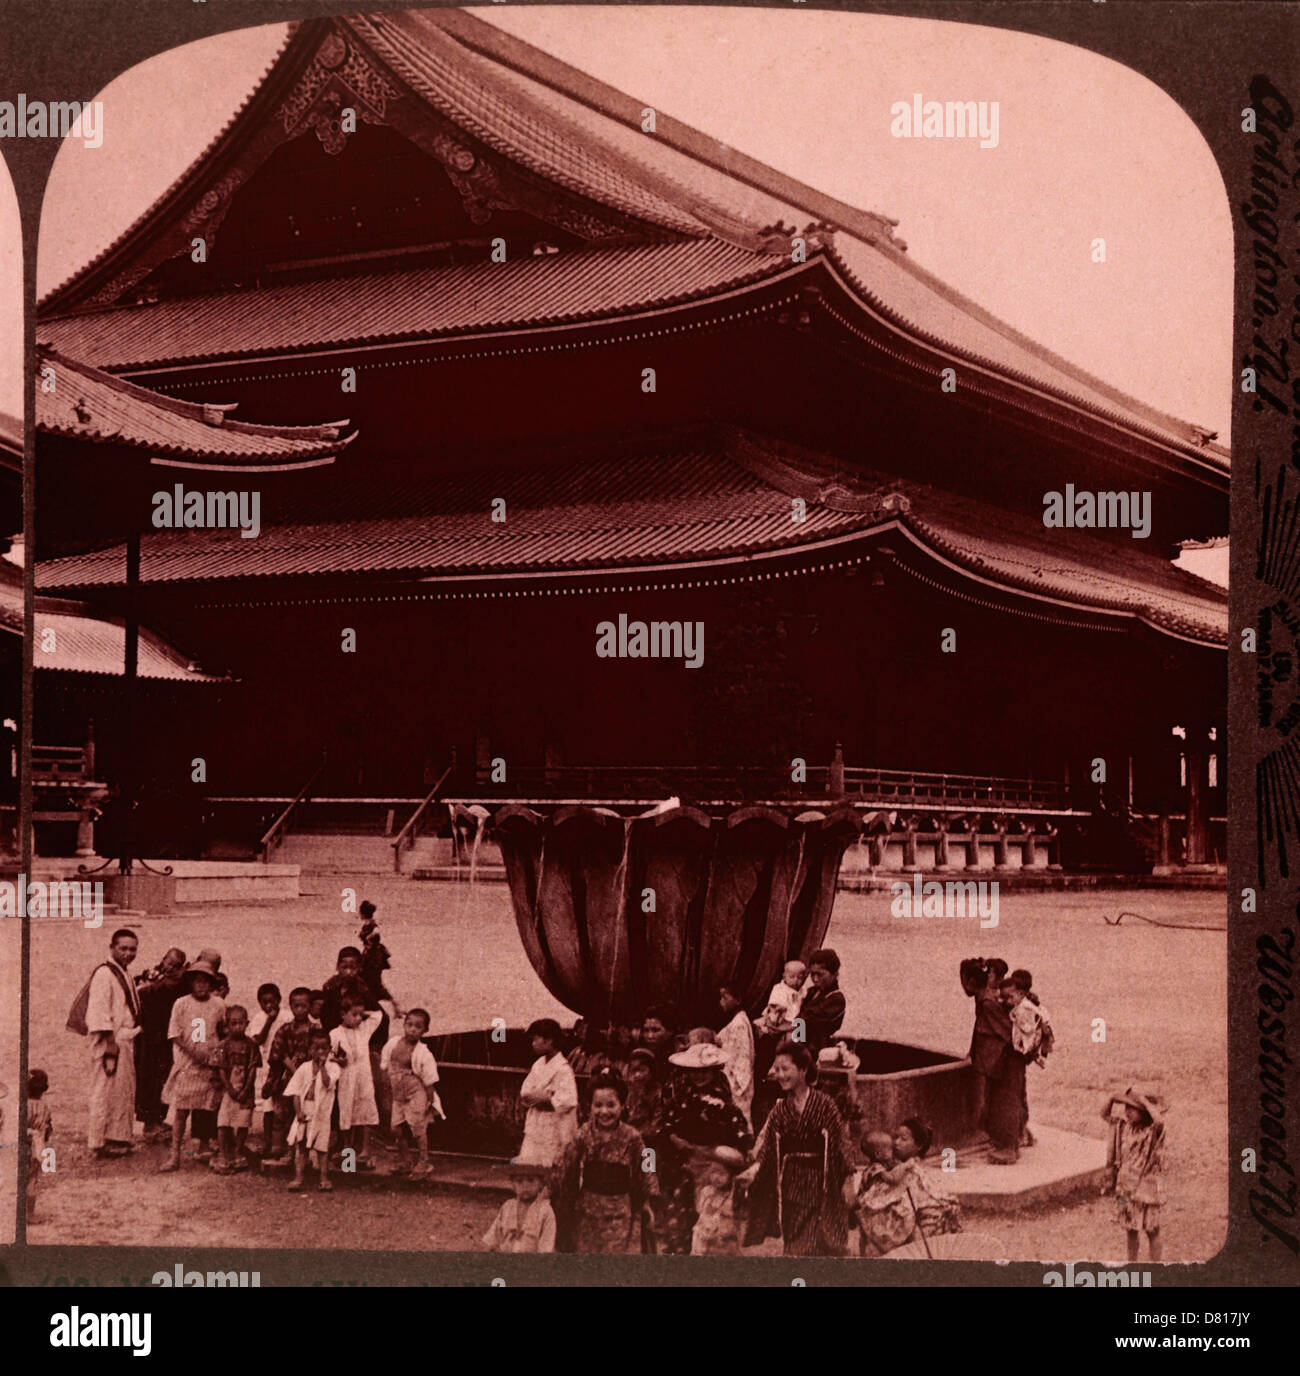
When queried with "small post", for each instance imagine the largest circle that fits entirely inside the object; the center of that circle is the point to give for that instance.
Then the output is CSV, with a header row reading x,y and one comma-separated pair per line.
x,y
837,771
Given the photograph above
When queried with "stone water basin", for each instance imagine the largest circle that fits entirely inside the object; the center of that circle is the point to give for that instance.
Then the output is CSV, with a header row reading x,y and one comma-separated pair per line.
x,y
480,1081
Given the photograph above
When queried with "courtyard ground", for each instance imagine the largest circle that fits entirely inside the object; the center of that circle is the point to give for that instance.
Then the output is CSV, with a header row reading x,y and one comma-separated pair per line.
x,y
1157,996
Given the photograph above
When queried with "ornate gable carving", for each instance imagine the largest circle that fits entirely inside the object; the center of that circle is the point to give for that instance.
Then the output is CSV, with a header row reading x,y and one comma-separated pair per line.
x,y
339,77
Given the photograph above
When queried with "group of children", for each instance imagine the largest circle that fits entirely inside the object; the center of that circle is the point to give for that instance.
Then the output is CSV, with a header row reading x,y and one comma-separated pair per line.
x,y
299,1075
298,1079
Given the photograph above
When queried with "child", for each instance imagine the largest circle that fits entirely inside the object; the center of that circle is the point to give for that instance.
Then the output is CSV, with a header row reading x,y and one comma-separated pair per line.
x,y
602,1178
1031,1025
737,1042
885,1218
374,956
290,1048
991,1033
413,1077
1136,1161
192,1032
356,1091
720,1216
900,1197
550,1094
1031,1035
784,1002
40,1128
265,1023
313,1090
317,1007
525,1223
236,1060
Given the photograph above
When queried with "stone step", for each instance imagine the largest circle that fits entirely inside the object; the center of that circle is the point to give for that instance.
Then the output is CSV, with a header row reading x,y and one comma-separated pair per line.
x,y
1059,1164
335,853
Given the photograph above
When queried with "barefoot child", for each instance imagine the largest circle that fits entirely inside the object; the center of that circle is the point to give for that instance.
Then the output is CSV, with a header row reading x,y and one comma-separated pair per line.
x,y
262,1027
358,1109
413,1078
39,1130
525,1223
235,1060
1136,1159
290,1048
192,1032
313,1089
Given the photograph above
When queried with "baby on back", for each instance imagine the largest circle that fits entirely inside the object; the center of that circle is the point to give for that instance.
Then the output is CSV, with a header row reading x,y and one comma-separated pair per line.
x,y
785,1000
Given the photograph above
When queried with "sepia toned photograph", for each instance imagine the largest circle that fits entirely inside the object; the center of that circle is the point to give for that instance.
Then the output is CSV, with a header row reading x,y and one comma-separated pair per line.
x,y
13,1159
630,643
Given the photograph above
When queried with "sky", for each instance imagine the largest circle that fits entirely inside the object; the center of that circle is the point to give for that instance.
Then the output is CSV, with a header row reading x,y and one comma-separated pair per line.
x,y
1087,150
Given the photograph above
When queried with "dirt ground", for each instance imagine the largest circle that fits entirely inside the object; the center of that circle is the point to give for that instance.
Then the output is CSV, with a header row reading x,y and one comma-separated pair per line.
x,y
1160,993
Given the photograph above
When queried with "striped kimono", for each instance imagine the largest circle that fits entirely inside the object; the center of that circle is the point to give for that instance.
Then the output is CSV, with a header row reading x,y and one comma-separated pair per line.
x,y
798,1192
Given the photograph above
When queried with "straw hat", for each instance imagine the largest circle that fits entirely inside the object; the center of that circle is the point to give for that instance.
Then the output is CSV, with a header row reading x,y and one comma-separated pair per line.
x,y
201,967
701,1056
212,956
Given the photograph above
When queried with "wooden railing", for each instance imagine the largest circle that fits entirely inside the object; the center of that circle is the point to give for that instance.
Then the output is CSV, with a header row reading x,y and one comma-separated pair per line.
x,y
955,790
406,837
275,833
705,783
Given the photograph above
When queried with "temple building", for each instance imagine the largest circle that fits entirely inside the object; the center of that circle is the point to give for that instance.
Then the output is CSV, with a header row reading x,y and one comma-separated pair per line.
x,y
602,379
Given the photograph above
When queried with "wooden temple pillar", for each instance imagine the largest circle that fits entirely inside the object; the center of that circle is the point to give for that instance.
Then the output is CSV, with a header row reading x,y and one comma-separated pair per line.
x,y
973,845
1198,762
910,824
1001,848
941,857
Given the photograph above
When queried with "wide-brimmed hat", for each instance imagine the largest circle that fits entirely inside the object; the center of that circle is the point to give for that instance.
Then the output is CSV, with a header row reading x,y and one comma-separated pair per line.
x,y
701,1056
212,956
202,966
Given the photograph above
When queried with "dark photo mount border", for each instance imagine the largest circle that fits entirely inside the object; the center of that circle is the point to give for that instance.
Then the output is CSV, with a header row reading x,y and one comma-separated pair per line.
x,y
1214,59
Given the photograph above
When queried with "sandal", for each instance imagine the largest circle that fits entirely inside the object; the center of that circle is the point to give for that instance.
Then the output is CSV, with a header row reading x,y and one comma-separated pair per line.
x,y
171,1164
295,1186
325,1186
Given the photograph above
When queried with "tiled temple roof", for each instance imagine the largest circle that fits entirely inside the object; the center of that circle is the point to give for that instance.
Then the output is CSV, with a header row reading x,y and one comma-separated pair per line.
x,y
414,303
682,512
566,127
74,638
80,402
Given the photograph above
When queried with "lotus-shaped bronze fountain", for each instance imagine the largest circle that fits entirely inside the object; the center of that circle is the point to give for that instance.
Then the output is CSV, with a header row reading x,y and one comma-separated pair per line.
x,y
621,914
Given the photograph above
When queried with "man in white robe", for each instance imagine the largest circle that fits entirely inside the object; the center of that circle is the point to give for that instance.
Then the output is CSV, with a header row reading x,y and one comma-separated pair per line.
x,y
112,1024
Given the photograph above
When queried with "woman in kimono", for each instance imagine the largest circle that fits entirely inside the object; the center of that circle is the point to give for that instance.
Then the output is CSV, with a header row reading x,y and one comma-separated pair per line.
x,y
797,1181
602,1186
549,1093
